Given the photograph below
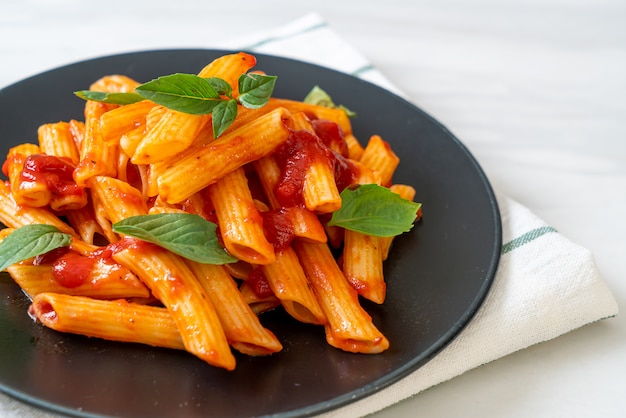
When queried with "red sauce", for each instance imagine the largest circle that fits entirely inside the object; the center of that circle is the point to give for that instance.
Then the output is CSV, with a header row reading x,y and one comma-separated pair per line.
x,y
346,172
131,198
278,228
55,172
331,135
72,269
301,149
259,284
294,157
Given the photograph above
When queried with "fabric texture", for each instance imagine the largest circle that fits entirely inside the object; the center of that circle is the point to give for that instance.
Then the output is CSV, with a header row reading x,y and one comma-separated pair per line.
x,y
545,285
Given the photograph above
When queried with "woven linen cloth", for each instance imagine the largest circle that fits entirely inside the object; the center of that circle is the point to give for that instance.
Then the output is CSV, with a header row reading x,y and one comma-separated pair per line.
x,y
545,285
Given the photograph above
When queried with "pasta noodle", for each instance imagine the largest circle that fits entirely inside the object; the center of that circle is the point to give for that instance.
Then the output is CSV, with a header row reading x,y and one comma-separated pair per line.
x,y
250,142
269,184
117,320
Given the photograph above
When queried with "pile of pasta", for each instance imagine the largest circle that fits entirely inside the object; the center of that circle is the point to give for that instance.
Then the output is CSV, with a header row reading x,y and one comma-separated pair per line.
x,y
142,158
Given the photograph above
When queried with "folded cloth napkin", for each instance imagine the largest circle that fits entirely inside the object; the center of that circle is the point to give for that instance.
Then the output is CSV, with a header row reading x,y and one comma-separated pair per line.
x,y
545,285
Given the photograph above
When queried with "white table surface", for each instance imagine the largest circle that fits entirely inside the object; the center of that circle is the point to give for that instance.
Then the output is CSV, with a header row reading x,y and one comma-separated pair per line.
x,y
535,89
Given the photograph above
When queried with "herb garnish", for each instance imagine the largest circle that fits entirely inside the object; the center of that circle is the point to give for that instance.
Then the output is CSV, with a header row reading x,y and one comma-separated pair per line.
x,y
319,97
188,235
189,93
375,210
30,241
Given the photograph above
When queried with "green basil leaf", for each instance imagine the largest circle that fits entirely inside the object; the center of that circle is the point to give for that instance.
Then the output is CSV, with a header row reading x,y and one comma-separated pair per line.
x,y
186,93
255,90
30,241
223,116
111,98
221,86
319,97
190,236
375,210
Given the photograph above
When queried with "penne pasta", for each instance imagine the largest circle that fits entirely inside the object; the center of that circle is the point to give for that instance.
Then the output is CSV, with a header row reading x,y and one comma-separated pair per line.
x,y
355,149
97,158
306,225
118,199
269,183
14,215
129,140
58,139
174,285
116,83
259,303
119,121
101,217
105,281
175,131
77,129
379,157
25,191
406,192
318,112
289,284
116,320
349,327
252,141
363,265
241,325
241,224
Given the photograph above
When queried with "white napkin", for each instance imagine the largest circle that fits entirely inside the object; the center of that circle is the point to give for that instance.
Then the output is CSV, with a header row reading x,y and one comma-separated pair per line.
x,y
545,285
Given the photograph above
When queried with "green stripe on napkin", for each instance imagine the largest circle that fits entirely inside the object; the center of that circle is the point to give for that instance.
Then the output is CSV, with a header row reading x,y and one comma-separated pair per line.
x,y
526,238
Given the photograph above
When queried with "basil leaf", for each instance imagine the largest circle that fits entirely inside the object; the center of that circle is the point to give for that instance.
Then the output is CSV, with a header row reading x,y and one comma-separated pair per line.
x,y
111,98
255,90
319,97
223,116
186,93
221,86
30,241
190,236
375,210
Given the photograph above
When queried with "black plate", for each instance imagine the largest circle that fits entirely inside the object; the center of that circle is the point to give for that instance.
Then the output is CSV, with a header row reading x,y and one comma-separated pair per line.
x,y
438,275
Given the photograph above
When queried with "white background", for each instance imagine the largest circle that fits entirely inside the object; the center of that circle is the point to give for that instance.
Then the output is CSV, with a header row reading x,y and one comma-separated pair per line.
x,y
535,89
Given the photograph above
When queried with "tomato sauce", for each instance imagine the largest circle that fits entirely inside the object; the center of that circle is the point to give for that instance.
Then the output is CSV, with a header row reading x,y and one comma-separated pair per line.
x,y
55,172
259,284
302,149
71,269
331,135
346,173
278,228
295,156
